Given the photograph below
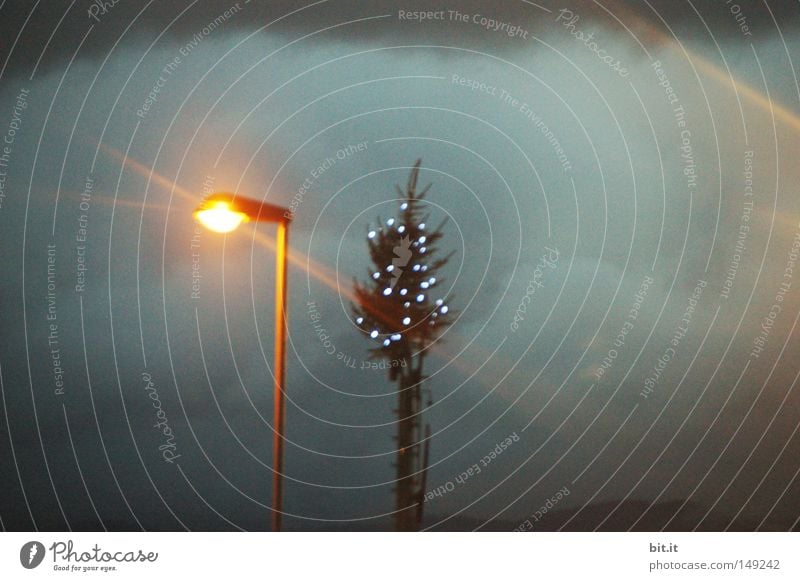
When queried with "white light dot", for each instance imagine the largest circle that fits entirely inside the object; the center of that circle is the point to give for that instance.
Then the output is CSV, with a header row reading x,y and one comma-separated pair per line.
x,y
371,234
359,320
387,291
390,268
424,284
420,298
406,304
396,337
439,302
444,310
374,334
422,226
422,239
386,342
432,280
401,229
424,268
376,275
390,221
422,250
416,268
403,291
407,321
404,205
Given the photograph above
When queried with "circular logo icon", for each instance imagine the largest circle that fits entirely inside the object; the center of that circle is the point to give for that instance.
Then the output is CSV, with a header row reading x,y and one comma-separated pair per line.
x,y
31,554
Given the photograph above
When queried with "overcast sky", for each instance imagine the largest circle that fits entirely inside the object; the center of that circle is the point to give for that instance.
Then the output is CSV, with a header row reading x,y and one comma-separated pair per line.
x,y
626,156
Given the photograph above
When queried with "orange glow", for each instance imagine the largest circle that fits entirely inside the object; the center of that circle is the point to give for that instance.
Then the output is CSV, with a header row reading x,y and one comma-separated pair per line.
x,y
724,77
220,217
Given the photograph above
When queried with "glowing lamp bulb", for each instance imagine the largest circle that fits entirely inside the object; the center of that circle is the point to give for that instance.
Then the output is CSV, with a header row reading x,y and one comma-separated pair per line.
x,y
407,321
220,217
374,334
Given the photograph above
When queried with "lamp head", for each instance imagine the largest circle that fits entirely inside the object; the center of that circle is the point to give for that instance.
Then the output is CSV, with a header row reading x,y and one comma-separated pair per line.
x,y
224,212
220,213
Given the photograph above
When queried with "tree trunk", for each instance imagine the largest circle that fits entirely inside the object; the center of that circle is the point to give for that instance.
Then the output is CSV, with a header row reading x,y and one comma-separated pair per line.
x,y
407,486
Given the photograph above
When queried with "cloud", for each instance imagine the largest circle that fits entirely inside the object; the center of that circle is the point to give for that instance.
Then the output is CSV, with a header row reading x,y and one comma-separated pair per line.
x,y
50,38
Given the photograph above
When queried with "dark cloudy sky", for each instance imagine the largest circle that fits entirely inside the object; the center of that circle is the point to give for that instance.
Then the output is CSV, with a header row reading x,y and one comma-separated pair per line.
x,y
552,149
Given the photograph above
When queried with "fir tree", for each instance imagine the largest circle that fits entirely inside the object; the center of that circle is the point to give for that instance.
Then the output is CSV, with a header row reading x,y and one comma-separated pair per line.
x,y
399,308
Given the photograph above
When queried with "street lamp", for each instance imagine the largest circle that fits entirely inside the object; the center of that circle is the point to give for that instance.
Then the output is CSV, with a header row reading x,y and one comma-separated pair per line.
x,y
223,213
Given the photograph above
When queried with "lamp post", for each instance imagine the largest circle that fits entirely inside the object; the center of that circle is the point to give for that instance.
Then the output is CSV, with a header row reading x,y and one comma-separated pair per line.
x,y
223,213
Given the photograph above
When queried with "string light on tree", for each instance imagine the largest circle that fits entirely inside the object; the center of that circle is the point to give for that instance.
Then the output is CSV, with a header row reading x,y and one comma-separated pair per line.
x,y
392,253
